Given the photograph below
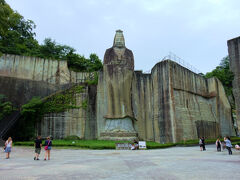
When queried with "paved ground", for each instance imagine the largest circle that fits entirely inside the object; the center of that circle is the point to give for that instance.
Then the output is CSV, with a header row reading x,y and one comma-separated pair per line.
x,y
172,163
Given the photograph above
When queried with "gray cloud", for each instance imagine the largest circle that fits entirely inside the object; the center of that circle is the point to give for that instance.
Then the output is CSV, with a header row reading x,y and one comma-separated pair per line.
x,y
195,30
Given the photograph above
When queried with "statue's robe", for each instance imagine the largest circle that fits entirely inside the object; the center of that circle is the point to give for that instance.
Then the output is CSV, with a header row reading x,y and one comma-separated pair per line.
x,y
118,68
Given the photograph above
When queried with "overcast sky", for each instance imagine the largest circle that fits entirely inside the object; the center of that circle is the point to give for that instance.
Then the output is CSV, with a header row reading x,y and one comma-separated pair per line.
x,y
195,30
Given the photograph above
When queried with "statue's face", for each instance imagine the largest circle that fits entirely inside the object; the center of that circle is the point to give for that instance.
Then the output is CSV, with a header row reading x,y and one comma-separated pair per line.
x,y
119,40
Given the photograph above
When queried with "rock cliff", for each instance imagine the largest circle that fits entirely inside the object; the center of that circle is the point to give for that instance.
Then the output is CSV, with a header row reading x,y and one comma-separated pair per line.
x,y
234,55
23,77
169,105
80,121
173,104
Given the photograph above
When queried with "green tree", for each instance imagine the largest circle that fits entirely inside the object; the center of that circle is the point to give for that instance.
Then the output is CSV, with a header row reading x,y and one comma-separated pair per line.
x,y
17,36
6,107
76,62
16,33
223,73
51,50
94,63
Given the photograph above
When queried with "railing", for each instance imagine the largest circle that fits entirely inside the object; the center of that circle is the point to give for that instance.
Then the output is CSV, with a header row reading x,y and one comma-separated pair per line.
x,y
175,58
7,122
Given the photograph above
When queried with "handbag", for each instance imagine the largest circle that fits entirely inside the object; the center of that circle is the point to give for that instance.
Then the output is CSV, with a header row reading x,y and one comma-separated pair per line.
x,y
46,147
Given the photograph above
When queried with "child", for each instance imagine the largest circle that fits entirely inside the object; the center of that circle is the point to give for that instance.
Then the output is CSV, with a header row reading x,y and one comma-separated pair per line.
x,y
237,147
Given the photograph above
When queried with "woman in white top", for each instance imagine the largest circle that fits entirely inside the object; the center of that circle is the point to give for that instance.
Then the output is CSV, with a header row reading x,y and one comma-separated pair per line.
x,y
8,147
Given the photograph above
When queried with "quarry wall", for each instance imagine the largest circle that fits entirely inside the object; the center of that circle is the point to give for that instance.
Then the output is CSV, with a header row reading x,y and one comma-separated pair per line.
x,y
23,77
79,121
234,55
173,104
168,105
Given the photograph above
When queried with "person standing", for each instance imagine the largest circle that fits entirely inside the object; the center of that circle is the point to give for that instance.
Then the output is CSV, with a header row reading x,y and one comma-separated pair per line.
x,y
48,147
200,144
203,144
228,145
38,146
8,147
218,144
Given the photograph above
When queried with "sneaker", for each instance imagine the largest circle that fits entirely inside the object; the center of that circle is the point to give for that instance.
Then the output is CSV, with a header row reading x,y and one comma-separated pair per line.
x,y
34,158
37,159
44,159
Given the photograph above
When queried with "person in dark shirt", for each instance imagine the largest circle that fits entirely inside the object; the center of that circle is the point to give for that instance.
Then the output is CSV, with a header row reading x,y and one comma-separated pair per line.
x,y
48,147
203,143
38,146
218,144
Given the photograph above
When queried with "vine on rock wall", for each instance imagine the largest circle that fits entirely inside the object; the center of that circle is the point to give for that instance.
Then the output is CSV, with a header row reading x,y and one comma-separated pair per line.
x,y
62,101
34,110
6,107
93,81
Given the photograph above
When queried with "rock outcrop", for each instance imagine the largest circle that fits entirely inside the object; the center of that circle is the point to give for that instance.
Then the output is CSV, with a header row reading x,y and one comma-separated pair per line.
x,y
23,77
234,55
169,105
173,104
80,122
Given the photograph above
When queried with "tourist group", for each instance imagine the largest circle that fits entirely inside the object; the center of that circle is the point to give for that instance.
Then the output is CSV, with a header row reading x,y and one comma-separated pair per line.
x,y
37,145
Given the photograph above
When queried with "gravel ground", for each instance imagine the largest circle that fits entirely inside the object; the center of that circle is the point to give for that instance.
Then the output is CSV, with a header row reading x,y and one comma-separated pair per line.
x,y
172,163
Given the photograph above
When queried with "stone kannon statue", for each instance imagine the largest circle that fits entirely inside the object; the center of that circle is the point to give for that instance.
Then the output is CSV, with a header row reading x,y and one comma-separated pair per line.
x,y
118,74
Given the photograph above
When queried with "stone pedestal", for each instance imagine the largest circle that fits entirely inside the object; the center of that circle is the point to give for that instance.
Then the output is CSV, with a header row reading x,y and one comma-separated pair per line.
x,y
119,129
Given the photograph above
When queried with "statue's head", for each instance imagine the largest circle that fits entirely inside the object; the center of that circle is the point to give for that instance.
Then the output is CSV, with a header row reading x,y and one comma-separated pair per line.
x,y
119,39
119,55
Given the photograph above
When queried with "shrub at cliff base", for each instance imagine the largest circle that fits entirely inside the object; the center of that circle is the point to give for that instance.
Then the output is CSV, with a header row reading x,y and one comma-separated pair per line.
x,y
93,144
102,144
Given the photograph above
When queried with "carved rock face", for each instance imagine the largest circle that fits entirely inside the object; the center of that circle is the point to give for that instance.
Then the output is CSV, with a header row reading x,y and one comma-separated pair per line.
x,y
117,79
119,39
119,56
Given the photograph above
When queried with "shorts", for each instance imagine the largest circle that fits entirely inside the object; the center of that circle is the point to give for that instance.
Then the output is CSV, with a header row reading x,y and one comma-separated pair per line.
x,y
49,148
38,150
8,150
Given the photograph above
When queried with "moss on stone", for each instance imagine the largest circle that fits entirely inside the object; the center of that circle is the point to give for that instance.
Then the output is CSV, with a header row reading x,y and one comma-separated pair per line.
x,y
62,101
85,104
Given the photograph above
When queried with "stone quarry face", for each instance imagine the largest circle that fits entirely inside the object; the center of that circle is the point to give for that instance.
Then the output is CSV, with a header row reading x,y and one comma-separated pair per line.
x,y
234,55
170,104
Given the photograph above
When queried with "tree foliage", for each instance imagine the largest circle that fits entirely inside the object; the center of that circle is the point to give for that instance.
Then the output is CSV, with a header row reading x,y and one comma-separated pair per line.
x,y
17,36
16,33
223,73
6,107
